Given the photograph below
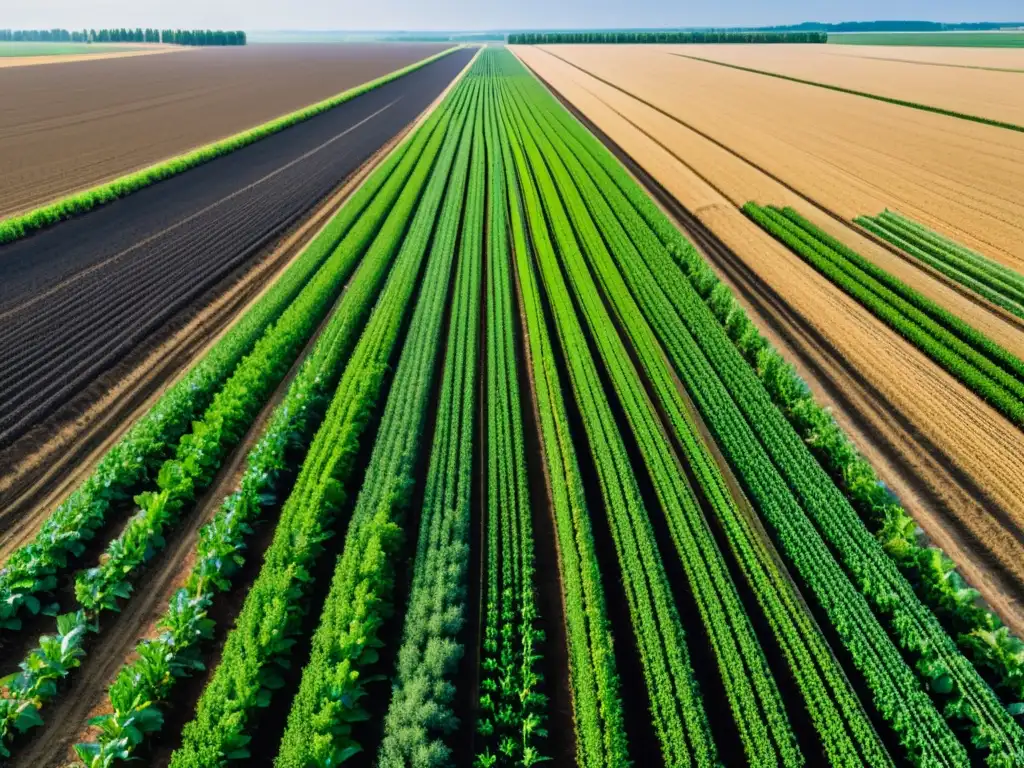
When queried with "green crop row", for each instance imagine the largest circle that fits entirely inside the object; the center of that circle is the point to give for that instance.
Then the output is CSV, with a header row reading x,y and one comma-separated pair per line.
x,y
24,224
32,571
845,730
874,576
420,719
259,646
327,707
513,711
978,363
593,678
678,713
1000,285
144,685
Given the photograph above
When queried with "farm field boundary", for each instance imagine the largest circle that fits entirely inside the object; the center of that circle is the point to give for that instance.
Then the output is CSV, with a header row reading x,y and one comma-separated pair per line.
x,y
19,226
952,39
805,197
863,94
853,396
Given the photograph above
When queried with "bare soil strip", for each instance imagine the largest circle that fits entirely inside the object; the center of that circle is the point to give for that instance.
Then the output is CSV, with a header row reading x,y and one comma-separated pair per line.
x,y
930,440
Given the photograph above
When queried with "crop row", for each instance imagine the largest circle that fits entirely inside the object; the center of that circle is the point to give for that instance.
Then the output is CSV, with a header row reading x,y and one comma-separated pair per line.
x,y
32,571
678,712
1000,285
842,724
201,451
420,718
977,362
593,678
145,684
817,530
513,710
258,648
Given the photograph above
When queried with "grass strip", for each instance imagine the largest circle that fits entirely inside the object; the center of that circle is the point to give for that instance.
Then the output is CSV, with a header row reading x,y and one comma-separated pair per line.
x,y
864,94
19,226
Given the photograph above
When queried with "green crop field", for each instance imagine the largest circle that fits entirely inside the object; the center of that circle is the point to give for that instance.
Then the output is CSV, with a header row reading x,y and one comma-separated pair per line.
x,y
515,480
1008,39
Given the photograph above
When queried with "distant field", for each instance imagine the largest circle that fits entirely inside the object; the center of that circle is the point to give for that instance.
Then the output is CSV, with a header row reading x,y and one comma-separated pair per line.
x,y
74,125
58,49
1013,39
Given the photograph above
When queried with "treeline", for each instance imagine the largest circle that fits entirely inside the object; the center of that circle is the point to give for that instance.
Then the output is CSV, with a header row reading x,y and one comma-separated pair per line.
x,y
894,26
665,36
123,35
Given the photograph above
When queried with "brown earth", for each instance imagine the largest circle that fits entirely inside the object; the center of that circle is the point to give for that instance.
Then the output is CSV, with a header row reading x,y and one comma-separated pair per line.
x,y
67,128
956,464
990,93
849,154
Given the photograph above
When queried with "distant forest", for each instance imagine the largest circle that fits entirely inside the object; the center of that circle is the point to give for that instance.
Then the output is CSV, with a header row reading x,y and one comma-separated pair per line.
x,y
667,36
173,36
892,26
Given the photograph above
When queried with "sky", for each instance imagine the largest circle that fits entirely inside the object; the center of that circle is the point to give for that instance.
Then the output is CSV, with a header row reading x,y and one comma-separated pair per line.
x,y
481,14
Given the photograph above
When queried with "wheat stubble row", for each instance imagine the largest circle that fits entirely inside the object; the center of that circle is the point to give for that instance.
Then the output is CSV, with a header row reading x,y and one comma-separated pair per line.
x,y
928,407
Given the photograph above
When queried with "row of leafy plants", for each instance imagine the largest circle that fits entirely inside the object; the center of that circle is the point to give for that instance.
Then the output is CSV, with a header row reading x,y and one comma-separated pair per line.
x,y
844,728
258,649
824,515
201,451
979,364
144,686
599,718
25,224
990,279
678,713
513,709
344,656
32,572
421,721
758,710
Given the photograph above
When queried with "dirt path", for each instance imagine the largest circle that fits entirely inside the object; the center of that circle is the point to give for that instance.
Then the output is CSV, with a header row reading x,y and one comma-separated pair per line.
x,y
929,439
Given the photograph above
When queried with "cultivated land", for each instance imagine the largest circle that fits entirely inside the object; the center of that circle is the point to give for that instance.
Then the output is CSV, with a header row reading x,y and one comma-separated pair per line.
x,y
33,54
187,233
61,49
849,154
979,92
496,470
994,58
76,125
949,452
953,39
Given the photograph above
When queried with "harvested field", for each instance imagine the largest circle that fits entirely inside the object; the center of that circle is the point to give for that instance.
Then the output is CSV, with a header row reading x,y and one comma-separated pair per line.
x,y
956,464
846,153
60,329
1009,59
984,93
70,127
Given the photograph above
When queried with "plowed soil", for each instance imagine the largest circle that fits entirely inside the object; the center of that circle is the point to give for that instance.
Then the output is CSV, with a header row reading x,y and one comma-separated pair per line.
x,y
849,154
955,463
70,127
991,93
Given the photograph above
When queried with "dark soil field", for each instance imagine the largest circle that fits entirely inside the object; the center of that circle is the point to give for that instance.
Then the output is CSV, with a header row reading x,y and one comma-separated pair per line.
x,y
76,298
67,127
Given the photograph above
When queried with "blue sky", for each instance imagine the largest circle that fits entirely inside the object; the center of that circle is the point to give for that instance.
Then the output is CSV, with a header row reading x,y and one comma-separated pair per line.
x,y
483,14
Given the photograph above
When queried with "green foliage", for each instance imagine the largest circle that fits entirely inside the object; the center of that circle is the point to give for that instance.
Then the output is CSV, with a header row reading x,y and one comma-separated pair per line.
x,y
1000,285
22,225
321,724
666,36
265,632
982,366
